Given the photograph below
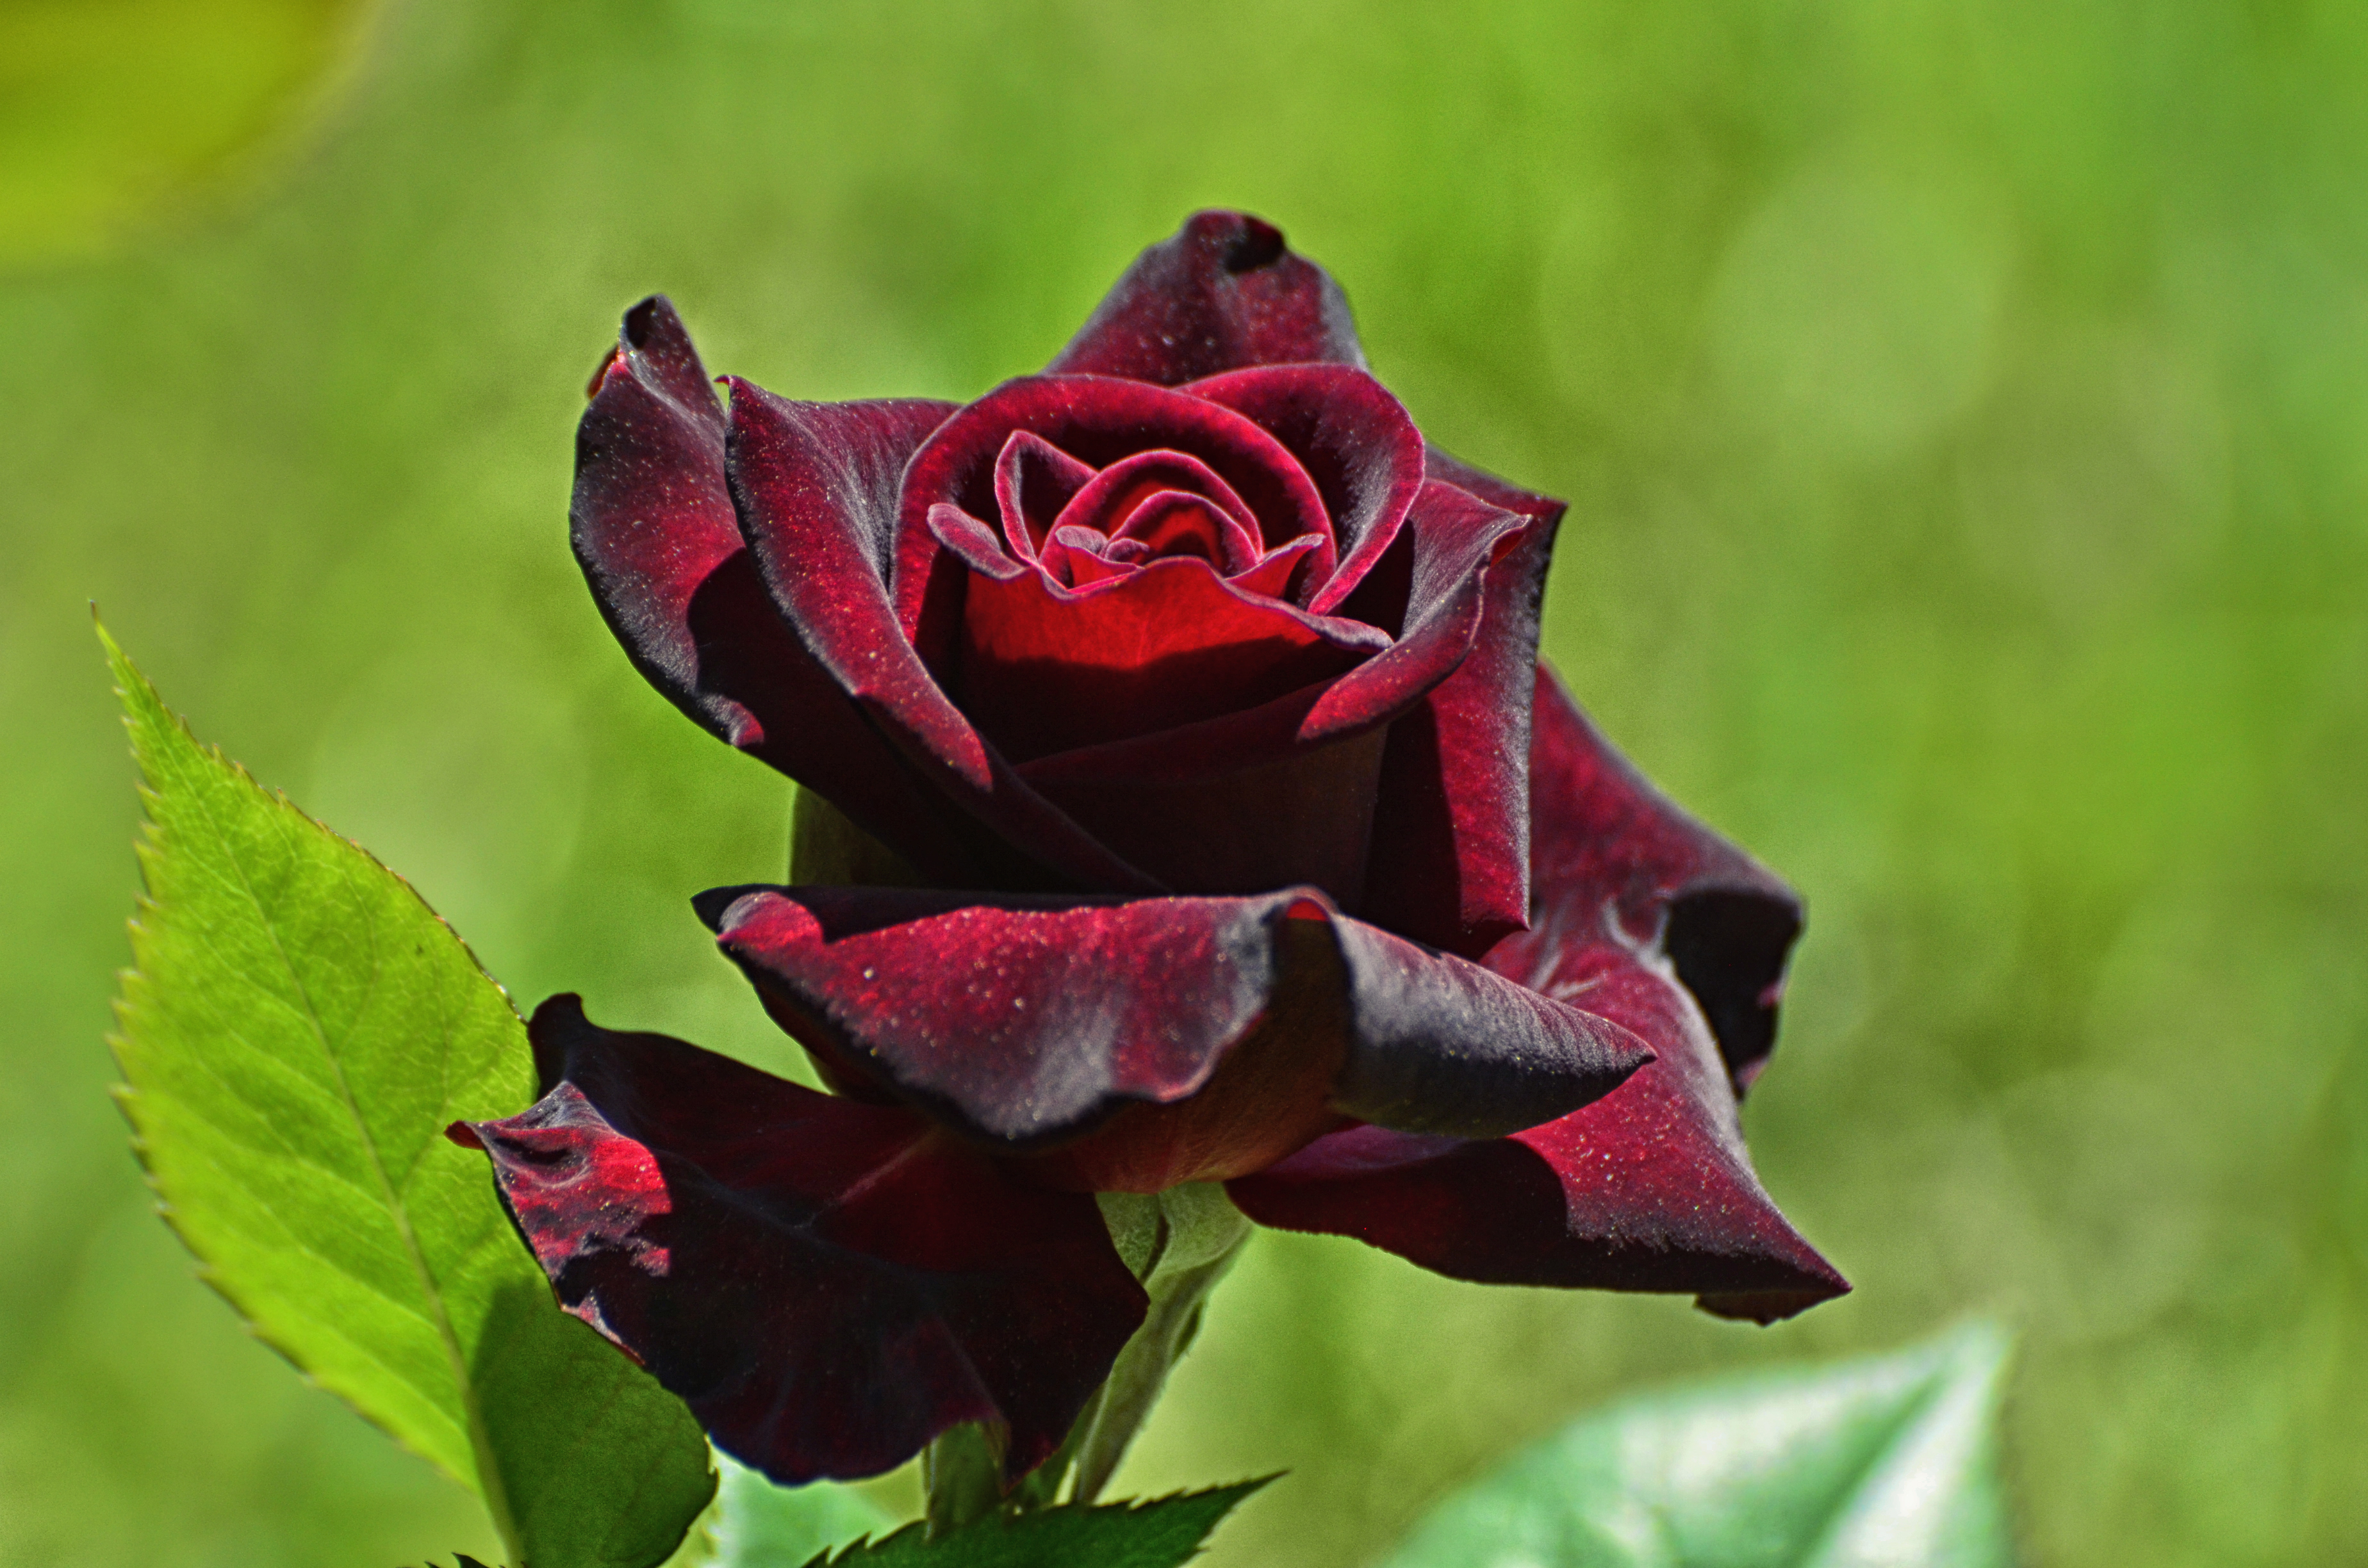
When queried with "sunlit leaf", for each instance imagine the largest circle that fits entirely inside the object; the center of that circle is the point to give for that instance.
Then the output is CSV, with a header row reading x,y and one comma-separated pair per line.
x,y
1887,1461
296,1032
1161,1533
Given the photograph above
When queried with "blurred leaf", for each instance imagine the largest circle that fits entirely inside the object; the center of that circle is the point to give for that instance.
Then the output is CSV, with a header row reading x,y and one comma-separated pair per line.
x,y
1889,1460
109,107
297,1031
754,1524
1161,1533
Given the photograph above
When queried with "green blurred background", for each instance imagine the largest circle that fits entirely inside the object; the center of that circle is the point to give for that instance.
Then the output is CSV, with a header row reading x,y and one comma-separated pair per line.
x,y
1964,405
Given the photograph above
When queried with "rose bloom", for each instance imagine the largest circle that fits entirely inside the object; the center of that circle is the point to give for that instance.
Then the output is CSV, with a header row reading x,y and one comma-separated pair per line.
x,y
1182,800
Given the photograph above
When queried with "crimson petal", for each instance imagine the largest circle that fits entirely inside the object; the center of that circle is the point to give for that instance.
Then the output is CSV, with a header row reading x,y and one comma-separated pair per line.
x,y
1224,292
827,1284
1098,422
1609,846
816,495
1030,1022
1453,802
1205,804
1033,480
1355,440
1646,1189
1489,488
653,526
1452,544
1176,522
1045,668
1104,501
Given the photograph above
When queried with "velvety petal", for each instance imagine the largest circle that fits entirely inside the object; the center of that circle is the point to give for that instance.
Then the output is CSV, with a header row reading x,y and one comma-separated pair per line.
x,y
1222,293
1104,502
1033,480
1450,545
1646,1189
1439,572
1454,795
1274,571
1230,805
1489,488
1073,557
1172,522
828,1285
1609,848
816,497
1650,1187
1044,668
1030,1022
1355,440
1240,802
653,526
1098,422
975,544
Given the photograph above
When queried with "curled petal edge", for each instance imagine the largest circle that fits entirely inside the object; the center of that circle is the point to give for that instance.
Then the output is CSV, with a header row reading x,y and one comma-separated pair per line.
x,y
828,1285
1029,1026
1648,1188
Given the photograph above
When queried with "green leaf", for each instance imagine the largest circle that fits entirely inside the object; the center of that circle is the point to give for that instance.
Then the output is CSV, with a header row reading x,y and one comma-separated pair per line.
x,y
754,1524
297,1030
1161,1533
1891,1459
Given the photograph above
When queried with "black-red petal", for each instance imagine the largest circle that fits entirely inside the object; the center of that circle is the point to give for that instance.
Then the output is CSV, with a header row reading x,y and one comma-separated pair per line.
x,y
827,1284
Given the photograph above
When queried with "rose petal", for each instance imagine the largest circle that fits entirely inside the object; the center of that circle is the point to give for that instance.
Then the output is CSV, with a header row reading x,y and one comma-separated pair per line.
x,y
1104,502
1044,668
828,1285
1272,575
1222,293
1355,440
1609,848
1079,558
1242,800
975,544
1230,805
1450,541
653,526
1438,570
1454,795
1646,1189
1033,480
1171,522
816,500
1489,488
1031,1022
1098,422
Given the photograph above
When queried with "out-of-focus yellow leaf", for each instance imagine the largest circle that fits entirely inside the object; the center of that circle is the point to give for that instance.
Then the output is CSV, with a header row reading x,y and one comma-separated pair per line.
x,y
116,112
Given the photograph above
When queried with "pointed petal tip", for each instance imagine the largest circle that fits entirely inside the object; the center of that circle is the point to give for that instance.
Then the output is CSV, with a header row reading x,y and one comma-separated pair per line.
x,y
718,909
668,1192
653,315
1766,1307
1223,291
1246,242
1800,1278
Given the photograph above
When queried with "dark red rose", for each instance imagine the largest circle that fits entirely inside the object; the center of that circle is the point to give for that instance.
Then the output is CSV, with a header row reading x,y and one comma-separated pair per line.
x,y
1186,802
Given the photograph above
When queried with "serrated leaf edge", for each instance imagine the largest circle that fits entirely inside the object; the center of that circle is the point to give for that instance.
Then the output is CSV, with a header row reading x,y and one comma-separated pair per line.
x,y
1243,1491
487,1481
